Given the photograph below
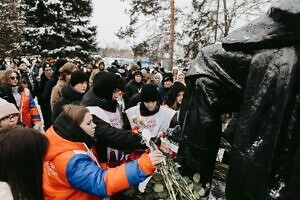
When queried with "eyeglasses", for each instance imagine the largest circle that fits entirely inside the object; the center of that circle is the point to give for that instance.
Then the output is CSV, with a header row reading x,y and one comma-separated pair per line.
x,y
10,117
14,78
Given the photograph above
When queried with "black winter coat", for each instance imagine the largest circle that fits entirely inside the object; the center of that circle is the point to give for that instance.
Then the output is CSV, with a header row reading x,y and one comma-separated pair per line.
x,y
46,97
69,96
107,135
163,92
6,93
30,80
131,89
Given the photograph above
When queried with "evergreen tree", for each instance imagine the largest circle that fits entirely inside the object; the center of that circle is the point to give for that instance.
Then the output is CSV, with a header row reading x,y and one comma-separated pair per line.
x,y
59,28
10,28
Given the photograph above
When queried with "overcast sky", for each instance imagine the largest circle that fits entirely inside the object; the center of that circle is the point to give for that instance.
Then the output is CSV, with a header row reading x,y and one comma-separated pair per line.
x,y
109,16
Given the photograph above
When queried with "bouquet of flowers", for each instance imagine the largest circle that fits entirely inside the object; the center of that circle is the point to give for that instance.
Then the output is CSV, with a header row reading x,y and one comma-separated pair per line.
x,y
137,123
167,175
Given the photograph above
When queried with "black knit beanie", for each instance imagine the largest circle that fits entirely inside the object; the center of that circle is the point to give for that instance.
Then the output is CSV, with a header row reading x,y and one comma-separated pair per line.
x,y
136,73
149,93
78,77
167,77
45,65
21,62
105,83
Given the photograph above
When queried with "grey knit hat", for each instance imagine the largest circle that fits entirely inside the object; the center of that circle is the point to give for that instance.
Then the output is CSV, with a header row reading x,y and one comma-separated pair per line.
x,y
7,108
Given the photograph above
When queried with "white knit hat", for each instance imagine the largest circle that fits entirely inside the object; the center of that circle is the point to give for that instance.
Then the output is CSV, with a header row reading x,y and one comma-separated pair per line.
x,y
7,108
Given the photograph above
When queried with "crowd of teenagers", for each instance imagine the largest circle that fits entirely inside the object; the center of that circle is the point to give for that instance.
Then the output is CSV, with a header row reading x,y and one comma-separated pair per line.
x,y
71,132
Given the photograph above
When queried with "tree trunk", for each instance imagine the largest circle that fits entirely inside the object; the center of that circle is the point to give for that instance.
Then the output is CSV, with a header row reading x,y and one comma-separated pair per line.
x,y
217,19
172,30
226,24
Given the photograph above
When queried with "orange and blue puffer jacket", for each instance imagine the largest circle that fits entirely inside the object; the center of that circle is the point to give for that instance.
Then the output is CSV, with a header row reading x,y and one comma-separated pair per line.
x,y
71,171
28,110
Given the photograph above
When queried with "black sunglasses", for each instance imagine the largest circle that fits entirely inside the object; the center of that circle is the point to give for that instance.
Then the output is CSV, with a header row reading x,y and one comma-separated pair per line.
x,y
14,78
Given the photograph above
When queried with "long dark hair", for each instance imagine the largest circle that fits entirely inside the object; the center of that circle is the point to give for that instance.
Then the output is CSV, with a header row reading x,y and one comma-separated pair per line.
x,y
172,95
22,151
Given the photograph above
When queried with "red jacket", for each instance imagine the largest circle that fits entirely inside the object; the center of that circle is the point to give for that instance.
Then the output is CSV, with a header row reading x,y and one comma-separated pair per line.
x,y
28,110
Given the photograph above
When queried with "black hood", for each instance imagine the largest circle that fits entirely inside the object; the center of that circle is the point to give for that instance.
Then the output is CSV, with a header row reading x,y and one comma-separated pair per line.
x,y
173,92
91,99
71,94
278,28
105,83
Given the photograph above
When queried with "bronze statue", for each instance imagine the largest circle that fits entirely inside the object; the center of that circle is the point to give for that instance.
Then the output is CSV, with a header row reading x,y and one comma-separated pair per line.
x,y
255,72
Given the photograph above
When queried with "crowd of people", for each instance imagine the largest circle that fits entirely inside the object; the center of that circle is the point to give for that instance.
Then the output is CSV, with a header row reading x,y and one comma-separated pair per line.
x,y
72,129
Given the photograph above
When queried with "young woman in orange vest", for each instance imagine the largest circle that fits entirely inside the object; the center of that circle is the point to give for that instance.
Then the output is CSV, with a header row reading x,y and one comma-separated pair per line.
x,y
71,168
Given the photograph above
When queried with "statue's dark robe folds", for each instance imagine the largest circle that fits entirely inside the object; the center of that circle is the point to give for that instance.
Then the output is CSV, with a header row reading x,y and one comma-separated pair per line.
x,y
255,72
